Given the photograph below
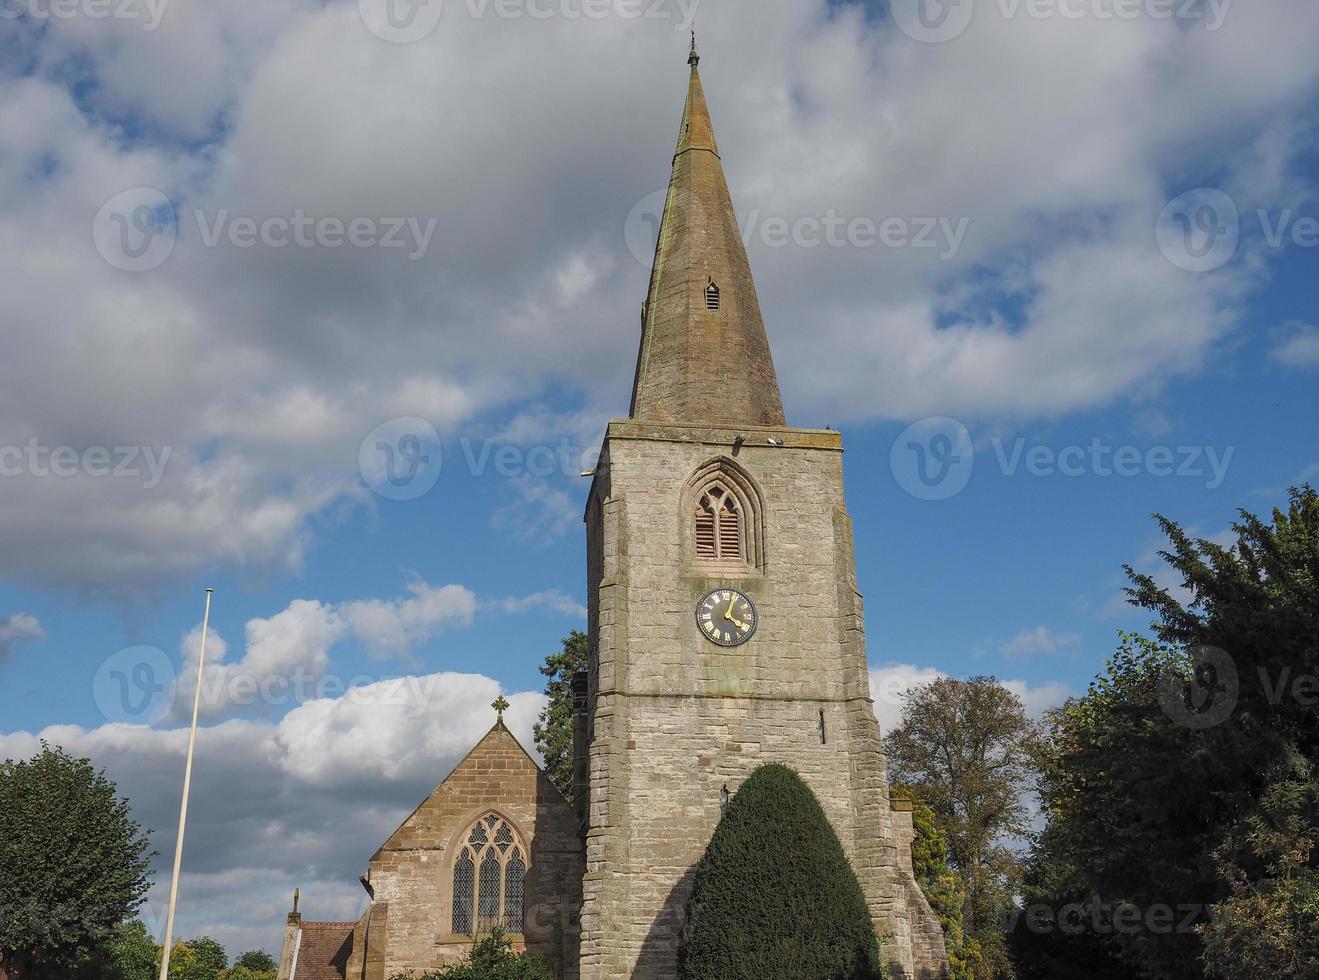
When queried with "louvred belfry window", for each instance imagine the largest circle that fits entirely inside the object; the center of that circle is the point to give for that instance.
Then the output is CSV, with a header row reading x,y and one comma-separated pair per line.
x,y
712,296
718,526
489,878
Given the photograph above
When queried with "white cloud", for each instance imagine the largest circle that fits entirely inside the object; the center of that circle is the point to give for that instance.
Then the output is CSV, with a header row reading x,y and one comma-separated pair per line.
x,y
553,599
302,802
286,656
15,629
263,369
889,683
395,628
1297,345
1040,640
1039,699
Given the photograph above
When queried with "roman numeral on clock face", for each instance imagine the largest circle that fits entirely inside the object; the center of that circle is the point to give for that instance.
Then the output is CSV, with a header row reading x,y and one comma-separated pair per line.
x,y
727,617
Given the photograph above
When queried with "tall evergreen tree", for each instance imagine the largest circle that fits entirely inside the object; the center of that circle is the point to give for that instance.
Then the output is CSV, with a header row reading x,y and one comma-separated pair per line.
x,y
1185,779
774,894
553,731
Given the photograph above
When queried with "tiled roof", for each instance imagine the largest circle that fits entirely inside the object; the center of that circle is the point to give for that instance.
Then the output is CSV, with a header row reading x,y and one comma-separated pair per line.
x,y
324,951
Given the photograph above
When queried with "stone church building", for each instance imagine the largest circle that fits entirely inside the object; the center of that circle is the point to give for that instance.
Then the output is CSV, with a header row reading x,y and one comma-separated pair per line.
x,y
725,632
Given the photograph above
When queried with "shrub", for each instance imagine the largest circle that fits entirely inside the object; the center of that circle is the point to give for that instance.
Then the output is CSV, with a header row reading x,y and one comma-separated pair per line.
x,y
774,895
493,958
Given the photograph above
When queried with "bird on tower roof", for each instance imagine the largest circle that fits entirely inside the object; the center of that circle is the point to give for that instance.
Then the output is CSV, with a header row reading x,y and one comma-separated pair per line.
x,y
704,357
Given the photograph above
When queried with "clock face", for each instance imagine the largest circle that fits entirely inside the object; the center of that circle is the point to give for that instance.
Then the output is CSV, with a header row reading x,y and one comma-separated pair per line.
x,y
726,617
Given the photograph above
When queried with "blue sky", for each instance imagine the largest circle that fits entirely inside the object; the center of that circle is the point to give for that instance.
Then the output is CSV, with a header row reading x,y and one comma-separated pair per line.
x,y
1067,155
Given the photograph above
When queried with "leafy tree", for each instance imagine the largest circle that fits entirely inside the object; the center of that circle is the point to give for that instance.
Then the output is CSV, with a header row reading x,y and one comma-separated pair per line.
x,y
492,958
258,961
198,959
942,889
1186,776
969,751
133,953
73,865
1130,823
553,732
774,894
254,965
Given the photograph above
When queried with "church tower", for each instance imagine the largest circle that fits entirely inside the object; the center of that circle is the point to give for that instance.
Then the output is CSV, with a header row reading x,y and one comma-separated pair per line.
x,y
725,623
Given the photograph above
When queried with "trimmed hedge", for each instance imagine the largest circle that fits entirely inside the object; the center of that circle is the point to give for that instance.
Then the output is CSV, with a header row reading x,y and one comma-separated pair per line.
x,y
774,895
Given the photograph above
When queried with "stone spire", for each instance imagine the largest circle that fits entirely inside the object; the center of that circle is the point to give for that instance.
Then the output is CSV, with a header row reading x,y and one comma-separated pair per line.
x,y
704,355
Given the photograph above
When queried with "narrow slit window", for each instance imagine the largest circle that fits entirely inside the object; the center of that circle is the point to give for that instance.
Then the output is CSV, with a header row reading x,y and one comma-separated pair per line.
x,y
824,735
712,296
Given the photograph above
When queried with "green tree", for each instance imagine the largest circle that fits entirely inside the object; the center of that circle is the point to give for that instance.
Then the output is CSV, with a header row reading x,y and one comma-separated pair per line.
x,y
257,961
774,894
198,959
553,732
133,953
493,958
942,889
73,865
970,752
1186,777
254,965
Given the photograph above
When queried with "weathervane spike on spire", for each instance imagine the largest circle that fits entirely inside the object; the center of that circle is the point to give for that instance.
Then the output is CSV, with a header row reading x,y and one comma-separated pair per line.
x,y
695,58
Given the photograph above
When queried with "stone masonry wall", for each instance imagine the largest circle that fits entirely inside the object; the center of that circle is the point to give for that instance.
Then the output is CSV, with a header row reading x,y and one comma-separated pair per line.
x,y
412,873
676,718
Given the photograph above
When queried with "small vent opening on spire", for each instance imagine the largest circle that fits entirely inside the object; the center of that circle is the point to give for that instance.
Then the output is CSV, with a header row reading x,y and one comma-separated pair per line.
x,y
712,296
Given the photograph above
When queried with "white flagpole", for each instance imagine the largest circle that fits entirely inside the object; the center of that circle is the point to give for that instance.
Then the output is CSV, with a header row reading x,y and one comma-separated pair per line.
x,y
187,786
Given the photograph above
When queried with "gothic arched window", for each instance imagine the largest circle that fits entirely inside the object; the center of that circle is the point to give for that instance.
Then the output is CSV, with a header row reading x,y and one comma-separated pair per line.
x,y
724,514
719,525
489,878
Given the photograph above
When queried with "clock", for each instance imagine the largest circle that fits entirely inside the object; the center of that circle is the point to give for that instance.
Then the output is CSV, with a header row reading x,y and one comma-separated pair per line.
x,y
726,617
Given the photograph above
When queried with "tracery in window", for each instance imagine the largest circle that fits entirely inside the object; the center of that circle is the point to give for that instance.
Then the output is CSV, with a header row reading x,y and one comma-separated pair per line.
x,y
724,515
719,525
489,879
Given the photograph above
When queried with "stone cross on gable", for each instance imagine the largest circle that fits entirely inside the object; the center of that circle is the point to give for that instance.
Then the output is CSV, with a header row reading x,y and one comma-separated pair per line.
x,y
501,705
